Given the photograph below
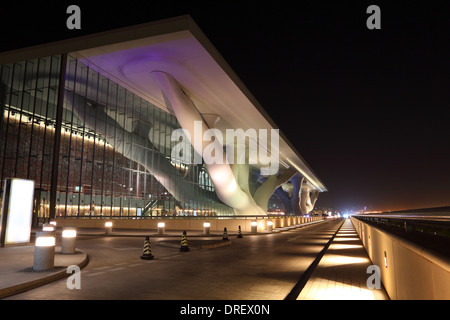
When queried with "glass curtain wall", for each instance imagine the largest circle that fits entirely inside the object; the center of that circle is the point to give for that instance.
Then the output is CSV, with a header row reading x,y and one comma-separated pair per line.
x,y
114,158
28,97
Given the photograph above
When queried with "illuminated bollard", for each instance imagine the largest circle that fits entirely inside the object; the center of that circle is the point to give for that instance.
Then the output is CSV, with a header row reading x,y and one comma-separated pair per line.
x,y
69,236
206,228
44,251
108,227
254,226
161,228
48,227
269,226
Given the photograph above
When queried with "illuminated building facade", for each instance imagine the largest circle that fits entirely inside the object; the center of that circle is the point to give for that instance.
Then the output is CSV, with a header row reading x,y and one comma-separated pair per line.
x,y
87,121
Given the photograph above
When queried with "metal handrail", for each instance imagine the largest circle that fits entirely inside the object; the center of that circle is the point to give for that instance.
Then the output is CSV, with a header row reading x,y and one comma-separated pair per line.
x,y
432,225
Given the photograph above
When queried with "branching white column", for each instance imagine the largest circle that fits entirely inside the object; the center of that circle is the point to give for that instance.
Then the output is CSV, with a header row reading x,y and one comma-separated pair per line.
x,y
269,186
297,182
222,176
308,198
137,147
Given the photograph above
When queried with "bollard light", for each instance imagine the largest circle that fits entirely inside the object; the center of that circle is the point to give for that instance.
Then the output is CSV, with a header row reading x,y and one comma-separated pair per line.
x,y
270,225
254,226
44,251
53,223
206,228
45,241
108,227
69,236
48,227
161,227
69,233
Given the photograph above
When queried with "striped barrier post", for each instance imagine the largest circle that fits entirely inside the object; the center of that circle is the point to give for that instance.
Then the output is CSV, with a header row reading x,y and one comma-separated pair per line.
x,y
184,243
147,252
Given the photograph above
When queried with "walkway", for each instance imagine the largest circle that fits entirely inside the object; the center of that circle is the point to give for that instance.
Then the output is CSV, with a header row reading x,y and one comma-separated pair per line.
x,y
342,272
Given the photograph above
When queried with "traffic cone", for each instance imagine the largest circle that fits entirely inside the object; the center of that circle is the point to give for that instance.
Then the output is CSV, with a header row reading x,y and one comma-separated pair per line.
x,y
239,233
147,252
184,243
225,235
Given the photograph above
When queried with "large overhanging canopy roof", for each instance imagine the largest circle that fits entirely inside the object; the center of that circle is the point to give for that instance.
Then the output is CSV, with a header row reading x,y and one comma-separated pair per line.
x,y
178,47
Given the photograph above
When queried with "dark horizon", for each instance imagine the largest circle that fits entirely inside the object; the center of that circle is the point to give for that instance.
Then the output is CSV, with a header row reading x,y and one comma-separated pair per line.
x,y
366,109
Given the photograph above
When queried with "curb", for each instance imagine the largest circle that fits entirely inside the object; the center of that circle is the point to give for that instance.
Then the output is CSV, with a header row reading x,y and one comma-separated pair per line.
x,y
18,288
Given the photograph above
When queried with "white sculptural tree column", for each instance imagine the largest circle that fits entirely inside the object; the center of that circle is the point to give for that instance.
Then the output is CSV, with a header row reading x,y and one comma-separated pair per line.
x,y
221,174
230,181
308,198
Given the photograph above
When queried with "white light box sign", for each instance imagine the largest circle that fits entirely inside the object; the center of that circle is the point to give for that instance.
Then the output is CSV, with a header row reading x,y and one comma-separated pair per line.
x,y
17,211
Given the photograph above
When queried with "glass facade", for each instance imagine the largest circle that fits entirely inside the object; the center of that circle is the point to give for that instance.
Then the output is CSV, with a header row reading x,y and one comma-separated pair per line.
x,y
113,158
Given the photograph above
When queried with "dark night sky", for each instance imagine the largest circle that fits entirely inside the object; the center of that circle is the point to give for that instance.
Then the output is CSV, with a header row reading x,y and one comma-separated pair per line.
x,y
368,110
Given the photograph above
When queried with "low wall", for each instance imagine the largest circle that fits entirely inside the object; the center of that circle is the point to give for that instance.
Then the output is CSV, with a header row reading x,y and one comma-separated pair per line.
x,y
217,224
408,271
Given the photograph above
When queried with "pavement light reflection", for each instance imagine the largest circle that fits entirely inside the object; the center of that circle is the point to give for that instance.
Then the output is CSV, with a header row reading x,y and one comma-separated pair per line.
x,y
344,291
334,259
336,246
345,239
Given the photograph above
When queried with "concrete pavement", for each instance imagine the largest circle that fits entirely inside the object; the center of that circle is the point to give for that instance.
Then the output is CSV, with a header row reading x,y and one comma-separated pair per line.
x,y
16,262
